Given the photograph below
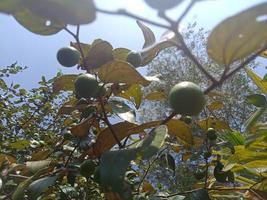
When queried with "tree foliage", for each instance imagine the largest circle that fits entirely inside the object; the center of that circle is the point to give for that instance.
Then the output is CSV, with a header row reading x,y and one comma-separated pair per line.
x,y
57,143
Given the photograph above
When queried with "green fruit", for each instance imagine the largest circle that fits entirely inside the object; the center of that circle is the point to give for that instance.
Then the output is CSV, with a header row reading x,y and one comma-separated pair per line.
x,y
86,86
134,58
87,168
211,134
199,174
162,4
187,98
68,56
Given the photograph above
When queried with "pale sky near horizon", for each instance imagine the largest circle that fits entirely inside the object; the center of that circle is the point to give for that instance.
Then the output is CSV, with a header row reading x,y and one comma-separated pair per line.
x,y
39,52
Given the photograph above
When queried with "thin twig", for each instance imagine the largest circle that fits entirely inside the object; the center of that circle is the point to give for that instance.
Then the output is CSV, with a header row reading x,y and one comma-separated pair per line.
x,y
241,65
149,166
127,14
71,154
185,13
77,39
108,123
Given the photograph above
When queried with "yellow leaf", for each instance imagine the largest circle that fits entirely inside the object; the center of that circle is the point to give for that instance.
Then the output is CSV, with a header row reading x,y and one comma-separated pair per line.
x,y
148,188
257,164
65,83
154,96
180,130
257,80
40,155
264,54
80,130
7,158
120,54
105,140
186,156
121,72
215,105
175,147
212,122
239,36
261,186
134,92
198,142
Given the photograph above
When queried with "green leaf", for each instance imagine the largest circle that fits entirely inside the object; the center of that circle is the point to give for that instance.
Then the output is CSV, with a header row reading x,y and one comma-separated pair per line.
x,y
36,188
262,85
243,155
238,36
151,145
257,100
254,118
37,24
262,186
64,82
124,111
148,34
65,11
235,138
113,167
21,144
265,78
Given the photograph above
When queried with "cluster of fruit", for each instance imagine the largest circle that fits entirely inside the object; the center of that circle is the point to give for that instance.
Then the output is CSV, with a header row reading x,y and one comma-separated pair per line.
x,y
185,98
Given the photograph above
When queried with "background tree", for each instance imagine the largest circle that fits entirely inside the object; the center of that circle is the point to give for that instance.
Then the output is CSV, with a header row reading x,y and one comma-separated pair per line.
x,y
173,66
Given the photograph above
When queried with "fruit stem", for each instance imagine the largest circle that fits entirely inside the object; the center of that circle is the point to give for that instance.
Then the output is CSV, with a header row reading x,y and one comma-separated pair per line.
x,y
77,39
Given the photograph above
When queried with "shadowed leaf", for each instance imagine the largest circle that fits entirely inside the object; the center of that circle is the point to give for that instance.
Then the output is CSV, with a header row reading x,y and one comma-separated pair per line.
x,y
239,36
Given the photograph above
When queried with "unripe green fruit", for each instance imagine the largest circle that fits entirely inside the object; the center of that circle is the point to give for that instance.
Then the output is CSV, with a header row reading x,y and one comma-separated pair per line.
x,y
162,4
86,86
68,56
87,168
211,134
187,98
134,58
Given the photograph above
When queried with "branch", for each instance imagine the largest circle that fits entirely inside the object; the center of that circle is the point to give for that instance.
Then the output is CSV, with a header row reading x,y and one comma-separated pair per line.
x,y
77,39
108,123
241,65
127,14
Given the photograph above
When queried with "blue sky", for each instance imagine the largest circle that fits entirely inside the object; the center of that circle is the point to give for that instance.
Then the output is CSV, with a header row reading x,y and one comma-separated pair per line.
x,y
39,52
